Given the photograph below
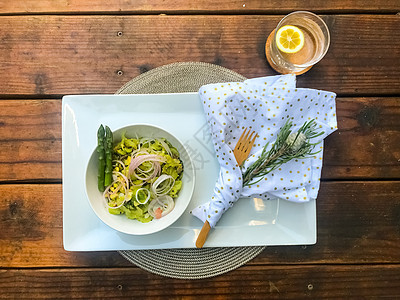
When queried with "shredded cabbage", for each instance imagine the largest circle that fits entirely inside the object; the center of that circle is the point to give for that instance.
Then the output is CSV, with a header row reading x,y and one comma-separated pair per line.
x,y
144,171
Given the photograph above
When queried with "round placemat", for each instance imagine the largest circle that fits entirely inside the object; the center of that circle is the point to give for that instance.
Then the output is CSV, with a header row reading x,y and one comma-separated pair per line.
x,y
188,263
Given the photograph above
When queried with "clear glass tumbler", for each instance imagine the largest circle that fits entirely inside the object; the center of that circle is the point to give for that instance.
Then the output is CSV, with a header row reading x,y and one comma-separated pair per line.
x,y
316,44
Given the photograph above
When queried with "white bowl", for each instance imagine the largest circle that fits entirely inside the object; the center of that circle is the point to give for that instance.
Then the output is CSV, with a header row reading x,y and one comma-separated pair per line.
x,y
121,222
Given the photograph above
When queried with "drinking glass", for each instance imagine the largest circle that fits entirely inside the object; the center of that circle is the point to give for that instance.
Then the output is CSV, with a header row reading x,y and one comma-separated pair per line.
x,y
316,44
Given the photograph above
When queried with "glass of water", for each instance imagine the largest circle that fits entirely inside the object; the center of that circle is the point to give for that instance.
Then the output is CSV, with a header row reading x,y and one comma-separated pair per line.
x,y
300,40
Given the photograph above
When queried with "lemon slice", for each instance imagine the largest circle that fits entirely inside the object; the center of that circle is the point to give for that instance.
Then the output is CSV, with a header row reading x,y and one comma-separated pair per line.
x,y
289,39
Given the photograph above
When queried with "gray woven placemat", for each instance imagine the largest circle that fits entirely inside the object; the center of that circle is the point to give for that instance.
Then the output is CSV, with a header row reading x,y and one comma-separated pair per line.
x,y
188,263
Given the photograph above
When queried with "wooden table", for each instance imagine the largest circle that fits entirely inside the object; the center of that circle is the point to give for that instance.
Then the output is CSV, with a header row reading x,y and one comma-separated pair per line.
x,y
52,48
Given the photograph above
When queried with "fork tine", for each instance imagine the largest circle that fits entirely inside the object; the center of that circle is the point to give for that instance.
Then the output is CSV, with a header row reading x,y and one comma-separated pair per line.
x,y
246,136
244,145
249,142
249,138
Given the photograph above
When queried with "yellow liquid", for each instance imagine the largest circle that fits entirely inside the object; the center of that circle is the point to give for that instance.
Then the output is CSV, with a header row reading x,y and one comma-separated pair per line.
x,y
314,41
307,53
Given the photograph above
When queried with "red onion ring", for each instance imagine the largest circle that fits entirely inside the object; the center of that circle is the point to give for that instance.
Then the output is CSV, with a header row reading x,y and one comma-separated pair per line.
x,y
164,190
166,203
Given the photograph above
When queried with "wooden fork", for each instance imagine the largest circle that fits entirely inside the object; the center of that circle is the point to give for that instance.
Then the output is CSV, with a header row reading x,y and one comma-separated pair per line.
x,y
241,152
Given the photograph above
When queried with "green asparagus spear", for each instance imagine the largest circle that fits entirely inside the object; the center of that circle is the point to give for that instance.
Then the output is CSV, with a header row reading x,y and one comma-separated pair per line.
x,y
101,159
108,146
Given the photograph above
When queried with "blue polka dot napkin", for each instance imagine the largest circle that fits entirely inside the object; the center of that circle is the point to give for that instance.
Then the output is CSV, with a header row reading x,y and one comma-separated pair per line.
x,y
264,105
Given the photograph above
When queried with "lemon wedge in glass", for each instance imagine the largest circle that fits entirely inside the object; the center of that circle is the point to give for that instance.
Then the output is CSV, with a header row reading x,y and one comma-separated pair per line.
x,y
289,39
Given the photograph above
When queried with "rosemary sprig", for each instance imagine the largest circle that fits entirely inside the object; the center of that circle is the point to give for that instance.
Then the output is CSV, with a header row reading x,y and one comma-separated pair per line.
x,y
288,145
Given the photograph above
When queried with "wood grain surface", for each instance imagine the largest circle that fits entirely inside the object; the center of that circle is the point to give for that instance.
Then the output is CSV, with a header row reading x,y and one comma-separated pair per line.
x,y
57,55
200,6
364,147
358,222
249,282
53,48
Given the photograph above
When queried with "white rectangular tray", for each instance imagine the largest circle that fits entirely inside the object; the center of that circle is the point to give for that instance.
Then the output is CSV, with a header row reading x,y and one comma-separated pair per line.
x,y
251,222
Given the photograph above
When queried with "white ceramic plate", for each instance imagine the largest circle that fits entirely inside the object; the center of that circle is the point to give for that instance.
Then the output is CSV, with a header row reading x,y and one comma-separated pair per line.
x,y
250,222
121,222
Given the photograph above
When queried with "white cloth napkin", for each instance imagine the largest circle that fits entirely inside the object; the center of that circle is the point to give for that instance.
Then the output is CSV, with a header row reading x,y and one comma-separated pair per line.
x,y
264,105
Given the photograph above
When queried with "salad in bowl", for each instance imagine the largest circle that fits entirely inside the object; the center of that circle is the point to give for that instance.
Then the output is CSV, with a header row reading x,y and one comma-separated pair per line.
x,y
139,179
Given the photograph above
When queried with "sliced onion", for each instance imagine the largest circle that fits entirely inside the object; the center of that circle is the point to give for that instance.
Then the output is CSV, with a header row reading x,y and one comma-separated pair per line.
x,y
115,207
148,195
145,141
139,159
125,178
116,189
149,174
139,151
166,147
134,153
107,196
166,188
165,203
105,193
124,184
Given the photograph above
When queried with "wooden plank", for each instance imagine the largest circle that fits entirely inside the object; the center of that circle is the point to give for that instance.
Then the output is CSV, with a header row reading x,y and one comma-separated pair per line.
x,y
249,282
31,229
358,222
30,139
365,145
201,6
50,55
